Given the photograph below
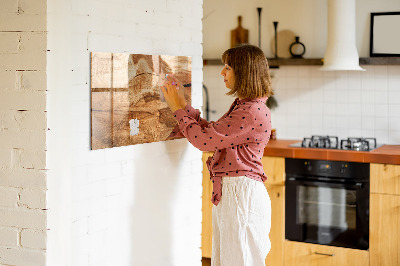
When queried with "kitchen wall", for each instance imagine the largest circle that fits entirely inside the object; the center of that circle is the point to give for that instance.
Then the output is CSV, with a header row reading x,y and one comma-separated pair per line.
x,y
134,205
343,103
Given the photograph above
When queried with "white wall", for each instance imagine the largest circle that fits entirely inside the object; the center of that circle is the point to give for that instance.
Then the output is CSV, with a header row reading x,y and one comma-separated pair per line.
x,y
23,133
311,102
306,19
134,205
343,104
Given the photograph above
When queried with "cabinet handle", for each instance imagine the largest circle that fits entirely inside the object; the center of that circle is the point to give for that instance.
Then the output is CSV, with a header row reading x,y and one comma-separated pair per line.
x,y
324,254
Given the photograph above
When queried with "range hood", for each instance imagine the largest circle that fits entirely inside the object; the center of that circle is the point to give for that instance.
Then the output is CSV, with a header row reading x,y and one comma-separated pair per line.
x,y
341,51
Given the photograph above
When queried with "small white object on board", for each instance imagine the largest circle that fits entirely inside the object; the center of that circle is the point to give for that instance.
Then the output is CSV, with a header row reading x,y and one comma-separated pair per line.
x,y
134,125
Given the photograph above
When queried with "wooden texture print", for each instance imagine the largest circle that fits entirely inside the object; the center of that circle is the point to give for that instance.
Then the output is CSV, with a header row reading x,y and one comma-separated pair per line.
x,y
125,93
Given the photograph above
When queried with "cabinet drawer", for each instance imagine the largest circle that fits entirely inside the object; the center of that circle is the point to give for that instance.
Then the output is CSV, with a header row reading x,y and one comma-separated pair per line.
x,y
304,254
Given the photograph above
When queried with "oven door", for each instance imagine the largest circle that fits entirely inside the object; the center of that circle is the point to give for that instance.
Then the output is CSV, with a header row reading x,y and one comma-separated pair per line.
x,y
327,213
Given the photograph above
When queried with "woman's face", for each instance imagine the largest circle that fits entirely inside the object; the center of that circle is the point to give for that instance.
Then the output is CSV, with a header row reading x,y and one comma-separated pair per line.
x,y
229,76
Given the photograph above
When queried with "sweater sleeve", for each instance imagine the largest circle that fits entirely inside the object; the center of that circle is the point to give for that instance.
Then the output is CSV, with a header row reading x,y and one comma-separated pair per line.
x,y
229,131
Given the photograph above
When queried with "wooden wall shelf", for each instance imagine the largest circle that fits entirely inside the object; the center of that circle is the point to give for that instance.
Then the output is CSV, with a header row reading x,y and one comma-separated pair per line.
x,y
380,61
274,63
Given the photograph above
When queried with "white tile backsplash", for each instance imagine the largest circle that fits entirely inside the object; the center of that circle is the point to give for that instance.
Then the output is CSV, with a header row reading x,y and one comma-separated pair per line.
x,y
381,96
394,82
342,103
367,96
394,110
394,97
381,110
381,83
394,123
380,71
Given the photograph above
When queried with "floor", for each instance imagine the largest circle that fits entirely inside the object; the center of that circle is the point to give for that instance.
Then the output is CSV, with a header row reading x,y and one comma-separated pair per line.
x,y
206,261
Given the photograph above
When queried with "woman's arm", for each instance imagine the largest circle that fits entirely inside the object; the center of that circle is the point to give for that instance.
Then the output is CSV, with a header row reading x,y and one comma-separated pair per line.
x,y
238,128
174,94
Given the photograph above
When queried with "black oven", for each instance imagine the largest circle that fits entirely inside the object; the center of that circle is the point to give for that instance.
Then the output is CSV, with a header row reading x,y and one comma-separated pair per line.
x,y
327,202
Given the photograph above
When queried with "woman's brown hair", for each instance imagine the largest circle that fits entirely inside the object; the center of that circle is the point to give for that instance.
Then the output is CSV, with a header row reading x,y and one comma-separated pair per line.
x,y
250,66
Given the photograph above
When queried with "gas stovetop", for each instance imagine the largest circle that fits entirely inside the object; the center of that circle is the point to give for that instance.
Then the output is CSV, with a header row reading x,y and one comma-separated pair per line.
x,y
332,142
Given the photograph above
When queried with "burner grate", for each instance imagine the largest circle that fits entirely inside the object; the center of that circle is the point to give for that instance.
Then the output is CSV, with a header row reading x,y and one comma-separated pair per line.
x,y
332,142
327,142
358,144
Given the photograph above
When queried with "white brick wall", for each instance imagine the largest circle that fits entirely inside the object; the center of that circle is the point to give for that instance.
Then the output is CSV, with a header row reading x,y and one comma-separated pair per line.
x,y
135,205
33,239
22,132
118,206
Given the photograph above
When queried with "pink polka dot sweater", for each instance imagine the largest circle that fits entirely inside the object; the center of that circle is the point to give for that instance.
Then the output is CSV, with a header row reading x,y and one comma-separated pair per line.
x,y
238,139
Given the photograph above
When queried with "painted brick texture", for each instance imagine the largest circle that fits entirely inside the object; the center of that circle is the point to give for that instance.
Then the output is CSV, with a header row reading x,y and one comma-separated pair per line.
x,y
134,205
23,132
108,207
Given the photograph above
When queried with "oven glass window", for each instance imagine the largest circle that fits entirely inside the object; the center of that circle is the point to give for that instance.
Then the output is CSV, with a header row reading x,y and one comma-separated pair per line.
x,y
326,207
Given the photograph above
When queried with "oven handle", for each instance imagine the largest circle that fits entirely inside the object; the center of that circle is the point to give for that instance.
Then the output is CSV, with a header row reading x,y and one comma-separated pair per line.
x,y
357,185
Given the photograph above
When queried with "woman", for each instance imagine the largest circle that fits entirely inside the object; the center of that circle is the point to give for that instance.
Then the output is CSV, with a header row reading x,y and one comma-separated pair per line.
x,y
242,208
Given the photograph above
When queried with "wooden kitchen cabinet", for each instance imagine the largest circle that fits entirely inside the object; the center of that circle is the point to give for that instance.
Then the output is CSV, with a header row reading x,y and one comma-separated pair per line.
x,y
385,178
384,236
274,168
206,225
305,254
277,233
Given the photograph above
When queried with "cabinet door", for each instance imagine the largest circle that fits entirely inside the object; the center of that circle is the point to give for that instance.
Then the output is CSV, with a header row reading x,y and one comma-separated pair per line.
x,y
304,254
385,178
274,168
384,230
206,226
277,233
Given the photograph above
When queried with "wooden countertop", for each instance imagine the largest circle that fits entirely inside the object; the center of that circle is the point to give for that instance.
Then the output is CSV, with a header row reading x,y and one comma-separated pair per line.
x,y
389,154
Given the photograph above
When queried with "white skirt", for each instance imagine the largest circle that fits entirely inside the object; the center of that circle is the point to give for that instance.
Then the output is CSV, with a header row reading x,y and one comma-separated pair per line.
x,y
241,223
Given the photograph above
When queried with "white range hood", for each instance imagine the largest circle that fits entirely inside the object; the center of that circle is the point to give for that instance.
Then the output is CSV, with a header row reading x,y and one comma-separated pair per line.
x,y
341,51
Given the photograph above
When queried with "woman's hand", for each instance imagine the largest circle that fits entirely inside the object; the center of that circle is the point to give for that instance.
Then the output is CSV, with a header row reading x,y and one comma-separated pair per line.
x,y
174,93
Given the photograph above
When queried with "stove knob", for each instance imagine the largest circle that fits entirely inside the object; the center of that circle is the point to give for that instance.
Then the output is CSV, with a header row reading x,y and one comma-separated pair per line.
x,y
308,166
343,168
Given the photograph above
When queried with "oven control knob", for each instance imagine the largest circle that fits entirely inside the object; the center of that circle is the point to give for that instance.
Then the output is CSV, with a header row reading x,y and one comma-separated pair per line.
x,y
308,166
343,168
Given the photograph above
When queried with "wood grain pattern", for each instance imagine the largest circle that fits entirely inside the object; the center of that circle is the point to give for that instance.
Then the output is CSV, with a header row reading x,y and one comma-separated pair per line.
x,y
239,35
274,168
385,178
277,233
384,230
206,225
126,87
304,254
389,154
